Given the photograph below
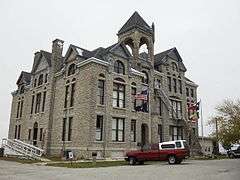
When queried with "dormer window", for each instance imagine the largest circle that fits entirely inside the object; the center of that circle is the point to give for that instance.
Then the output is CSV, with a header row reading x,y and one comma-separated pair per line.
x,y
71,69
119,67
40,80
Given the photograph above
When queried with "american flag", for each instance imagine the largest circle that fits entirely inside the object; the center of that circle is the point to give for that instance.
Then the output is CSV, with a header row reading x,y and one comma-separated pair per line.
x,y
142,96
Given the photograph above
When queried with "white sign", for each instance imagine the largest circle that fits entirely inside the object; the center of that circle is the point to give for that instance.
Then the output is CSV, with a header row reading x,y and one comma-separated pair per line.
x,y
70,155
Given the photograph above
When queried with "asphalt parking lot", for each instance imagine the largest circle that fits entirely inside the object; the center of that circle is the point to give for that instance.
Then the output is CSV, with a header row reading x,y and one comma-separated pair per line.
x,y
226,169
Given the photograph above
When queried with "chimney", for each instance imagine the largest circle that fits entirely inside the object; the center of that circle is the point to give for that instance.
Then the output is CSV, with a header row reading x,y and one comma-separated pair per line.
x,y
56,60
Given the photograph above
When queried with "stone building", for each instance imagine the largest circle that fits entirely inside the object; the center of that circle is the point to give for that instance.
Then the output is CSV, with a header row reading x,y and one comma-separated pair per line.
x,y
107,100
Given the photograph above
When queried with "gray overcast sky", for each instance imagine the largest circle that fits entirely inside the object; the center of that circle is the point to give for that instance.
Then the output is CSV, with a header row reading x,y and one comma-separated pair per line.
x,y
205,32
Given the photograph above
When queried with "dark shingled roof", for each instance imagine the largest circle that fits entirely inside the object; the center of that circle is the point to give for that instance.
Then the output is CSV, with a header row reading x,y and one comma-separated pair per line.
x,y
135,21
82,52
26,76
160,58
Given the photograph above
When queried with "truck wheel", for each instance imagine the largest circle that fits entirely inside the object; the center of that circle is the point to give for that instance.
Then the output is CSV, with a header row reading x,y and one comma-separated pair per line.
x,y
231,156
178,161
132,161
171,159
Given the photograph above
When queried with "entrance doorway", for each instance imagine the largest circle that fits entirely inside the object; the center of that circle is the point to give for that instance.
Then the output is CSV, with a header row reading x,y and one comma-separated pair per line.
x,y
35,133
144,134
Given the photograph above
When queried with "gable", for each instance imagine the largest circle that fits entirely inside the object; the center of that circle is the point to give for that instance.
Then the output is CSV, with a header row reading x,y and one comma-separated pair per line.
x,y
120,50
41,64
42,60
70,55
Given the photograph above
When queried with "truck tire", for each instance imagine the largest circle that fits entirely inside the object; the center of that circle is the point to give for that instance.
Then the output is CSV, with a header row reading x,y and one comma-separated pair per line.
x,y
132,161
172,159
231,156
178,161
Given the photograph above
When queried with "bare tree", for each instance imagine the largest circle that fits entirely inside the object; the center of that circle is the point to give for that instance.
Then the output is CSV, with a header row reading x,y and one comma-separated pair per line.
x,y
227,122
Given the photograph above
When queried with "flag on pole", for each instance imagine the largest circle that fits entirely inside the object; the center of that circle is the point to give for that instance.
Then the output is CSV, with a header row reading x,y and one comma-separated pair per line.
x,y
142,96
193,111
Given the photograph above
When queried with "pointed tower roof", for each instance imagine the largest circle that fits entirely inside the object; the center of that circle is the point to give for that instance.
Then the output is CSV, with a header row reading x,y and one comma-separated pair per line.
x,y
135,21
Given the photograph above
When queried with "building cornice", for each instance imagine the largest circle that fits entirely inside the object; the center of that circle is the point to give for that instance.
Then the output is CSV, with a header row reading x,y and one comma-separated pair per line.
x,y
93,60
136,72
191,83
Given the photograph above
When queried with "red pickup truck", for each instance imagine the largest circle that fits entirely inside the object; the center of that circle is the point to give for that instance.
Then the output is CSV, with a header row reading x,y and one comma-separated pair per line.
x,y
172,151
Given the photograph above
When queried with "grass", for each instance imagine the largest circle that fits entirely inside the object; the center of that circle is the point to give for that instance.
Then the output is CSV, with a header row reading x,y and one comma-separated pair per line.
x,y
23,161
215,157
89,164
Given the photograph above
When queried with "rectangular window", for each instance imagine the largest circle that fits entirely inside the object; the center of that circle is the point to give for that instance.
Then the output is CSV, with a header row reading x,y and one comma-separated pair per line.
x,y
66,96
15,136
189,113
179,110
176,109
187,92
175,85
180,86
160,106
21,108
38,102
44,100
100,93
99,128
19,132
70,128
118,129
118,95
134,101
176,133
157,84
72,95
32,105
64,129
160,133
41,134
18,108
169,84
133,130
29,134
192,93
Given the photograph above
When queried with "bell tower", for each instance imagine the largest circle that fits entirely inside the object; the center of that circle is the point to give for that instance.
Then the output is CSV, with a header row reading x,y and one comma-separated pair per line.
x,y
136,33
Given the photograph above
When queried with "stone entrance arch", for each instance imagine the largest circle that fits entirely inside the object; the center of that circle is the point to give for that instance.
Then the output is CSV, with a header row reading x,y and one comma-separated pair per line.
x,y
35,133
144,134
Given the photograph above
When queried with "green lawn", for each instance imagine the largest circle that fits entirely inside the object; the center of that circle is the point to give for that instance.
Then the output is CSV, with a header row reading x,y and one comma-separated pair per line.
x,y
15,159
89,164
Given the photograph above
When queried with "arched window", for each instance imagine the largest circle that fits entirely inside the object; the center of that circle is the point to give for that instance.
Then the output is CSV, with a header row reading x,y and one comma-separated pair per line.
x,y
35,82
46,78
134,84
40,80
119,67
101,75
145,79
71,69
119,79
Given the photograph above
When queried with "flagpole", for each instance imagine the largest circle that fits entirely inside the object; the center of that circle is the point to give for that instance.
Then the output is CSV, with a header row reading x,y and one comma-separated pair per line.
x,y
201,118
